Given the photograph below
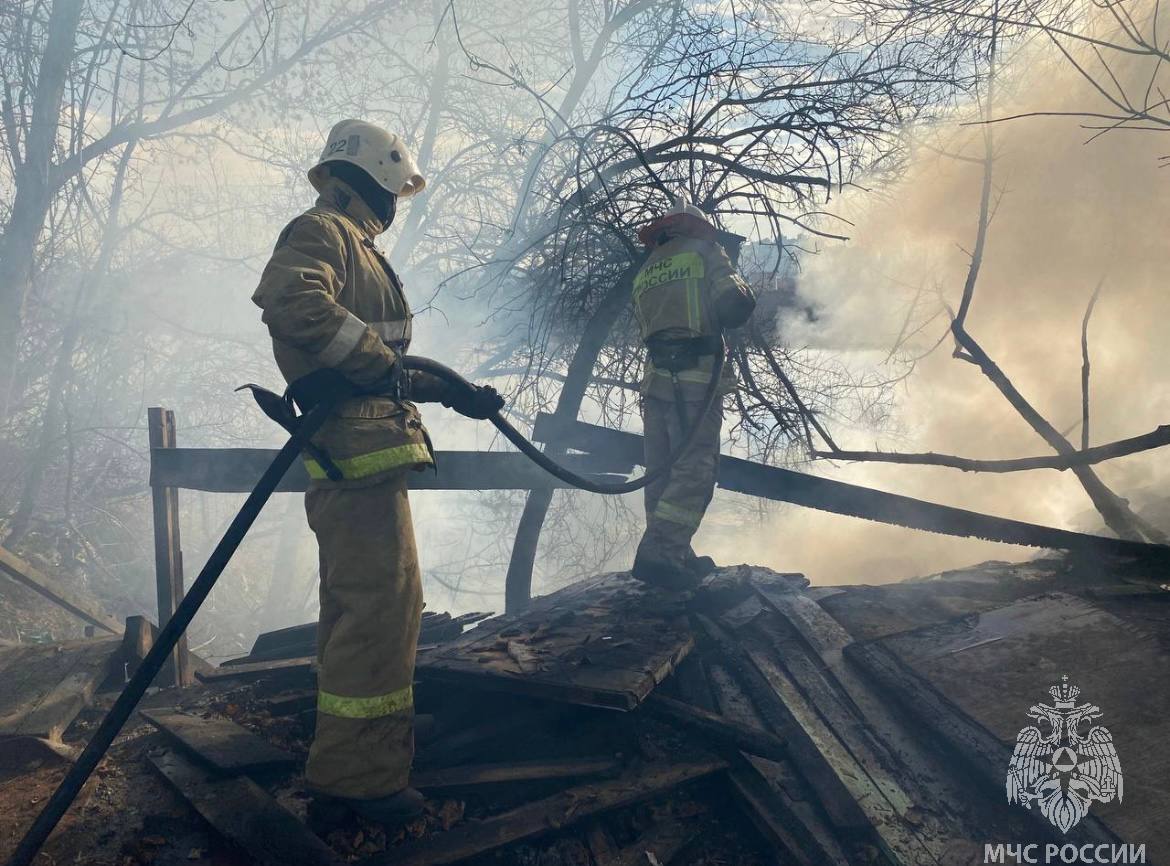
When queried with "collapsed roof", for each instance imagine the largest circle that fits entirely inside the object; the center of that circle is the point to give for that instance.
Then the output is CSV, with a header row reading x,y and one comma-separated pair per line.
x,y
760,720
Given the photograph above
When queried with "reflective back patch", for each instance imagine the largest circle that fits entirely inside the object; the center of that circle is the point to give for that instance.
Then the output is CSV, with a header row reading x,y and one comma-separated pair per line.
x,y
671,269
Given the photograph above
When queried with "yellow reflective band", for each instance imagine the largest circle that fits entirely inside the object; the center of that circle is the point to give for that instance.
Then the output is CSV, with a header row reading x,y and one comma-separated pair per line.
x,y
673,513
694,313
365,465
365,708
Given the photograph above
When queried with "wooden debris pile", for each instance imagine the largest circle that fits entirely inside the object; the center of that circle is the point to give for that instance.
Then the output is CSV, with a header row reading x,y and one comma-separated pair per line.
x,y
531,744
608,724
45,686
613,725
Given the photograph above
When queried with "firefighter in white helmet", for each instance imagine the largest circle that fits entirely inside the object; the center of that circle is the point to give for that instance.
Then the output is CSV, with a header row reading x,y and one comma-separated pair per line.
x,y
685,295
332,300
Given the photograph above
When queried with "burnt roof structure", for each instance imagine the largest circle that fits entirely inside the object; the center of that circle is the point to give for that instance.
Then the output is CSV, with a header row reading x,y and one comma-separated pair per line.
x,y
758,720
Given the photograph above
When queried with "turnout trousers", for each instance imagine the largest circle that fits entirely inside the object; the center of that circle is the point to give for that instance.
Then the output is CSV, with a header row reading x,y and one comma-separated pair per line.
x,y
371,606
676,503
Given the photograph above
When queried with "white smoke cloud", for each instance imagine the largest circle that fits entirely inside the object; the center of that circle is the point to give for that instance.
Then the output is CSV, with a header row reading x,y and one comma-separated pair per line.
x,y
1067,214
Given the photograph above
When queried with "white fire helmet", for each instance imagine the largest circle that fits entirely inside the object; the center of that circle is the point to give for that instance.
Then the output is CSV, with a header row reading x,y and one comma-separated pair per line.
x,y
682,205
383,156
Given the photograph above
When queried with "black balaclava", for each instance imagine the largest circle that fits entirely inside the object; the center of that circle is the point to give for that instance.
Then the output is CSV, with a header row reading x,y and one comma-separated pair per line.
x,y
381,202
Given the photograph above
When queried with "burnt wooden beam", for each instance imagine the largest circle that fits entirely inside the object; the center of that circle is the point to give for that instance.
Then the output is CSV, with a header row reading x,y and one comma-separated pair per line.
x,y
761,786
810,644
168,551
838,497
220,743
245,815
301,668
136,642
236,470
515,771
44,686
29,576
299,641
782,808
720,729
782,830
845,754
541,816
835,798
290,703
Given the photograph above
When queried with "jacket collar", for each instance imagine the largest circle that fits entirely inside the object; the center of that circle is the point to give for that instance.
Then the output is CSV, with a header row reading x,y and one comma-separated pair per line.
x,y
340,196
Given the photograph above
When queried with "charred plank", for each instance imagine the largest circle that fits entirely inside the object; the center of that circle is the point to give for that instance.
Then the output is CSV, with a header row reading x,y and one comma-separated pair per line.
x,y
220,743
724,731
559,810
245,815
517,771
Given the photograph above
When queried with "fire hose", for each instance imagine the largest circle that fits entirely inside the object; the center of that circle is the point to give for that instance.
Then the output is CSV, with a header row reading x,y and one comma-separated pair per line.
x,y
529,450
301,433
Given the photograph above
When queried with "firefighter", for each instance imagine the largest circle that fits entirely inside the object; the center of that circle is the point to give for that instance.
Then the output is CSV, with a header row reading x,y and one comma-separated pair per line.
x,y
685,295
331,300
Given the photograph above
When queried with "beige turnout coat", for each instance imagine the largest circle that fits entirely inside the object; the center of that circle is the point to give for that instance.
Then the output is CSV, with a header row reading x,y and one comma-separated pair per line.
x,y
688,288
330,299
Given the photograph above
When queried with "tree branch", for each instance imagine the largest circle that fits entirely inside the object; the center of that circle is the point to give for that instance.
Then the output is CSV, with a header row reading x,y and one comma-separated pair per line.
x,y
1085,366
1156,438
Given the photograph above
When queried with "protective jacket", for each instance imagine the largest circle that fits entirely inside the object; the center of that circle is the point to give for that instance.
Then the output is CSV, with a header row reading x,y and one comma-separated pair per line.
x,y
331,299
685,295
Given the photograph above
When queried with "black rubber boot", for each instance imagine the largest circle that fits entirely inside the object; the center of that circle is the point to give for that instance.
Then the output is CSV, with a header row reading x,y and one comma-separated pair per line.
x,y
664,575
326,814
702,566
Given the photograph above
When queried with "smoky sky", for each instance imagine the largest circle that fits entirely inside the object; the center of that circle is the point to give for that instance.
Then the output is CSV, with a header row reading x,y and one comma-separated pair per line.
x,y
1068,213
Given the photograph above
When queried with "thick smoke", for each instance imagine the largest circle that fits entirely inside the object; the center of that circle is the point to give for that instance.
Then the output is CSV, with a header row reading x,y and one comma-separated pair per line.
x,y
1068,213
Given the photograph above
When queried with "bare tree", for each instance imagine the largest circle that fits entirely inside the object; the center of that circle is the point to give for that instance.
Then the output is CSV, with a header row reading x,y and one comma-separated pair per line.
x,y
1113,46
1114,510
759,124
133,72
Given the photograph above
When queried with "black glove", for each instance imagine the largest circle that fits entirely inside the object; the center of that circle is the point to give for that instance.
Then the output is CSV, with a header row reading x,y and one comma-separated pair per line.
x,y
480,402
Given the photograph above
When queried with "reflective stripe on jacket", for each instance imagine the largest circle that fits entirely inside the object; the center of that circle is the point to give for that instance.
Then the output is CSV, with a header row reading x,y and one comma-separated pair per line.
x,y
330,299
680,293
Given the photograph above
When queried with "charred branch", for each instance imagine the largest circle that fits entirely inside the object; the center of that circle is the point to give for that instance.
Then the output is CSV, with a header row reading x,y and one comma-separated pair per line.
x,y
1154,439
